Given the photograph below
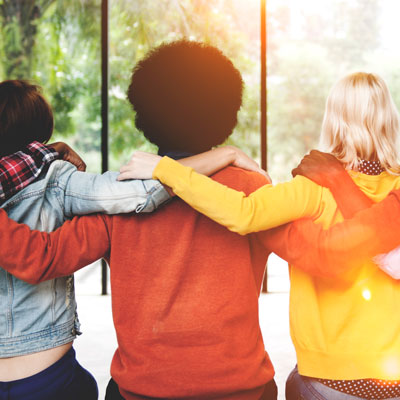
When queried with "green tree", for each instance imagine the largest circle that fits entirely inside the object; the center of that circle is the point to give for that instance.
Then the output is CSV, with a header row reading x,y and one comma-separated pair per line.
x,y
57,44
138,26
304,63
19,23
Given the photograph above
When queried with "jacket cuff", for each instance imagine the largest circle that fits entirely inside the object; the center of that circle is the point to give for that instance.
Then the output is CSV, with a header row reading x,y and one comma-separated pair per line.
x,y
157,195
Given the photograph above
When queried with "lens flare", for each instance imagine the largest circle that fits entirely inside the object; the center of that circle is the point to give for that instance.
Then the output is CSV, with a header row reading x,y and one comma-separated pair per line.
x,y
391,368
366,293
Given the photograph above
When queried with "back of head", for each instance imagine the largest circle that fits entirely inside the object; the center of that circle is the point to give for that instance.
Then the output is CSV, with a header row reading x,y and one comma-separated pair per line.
x,y
186,96
25,116
361,122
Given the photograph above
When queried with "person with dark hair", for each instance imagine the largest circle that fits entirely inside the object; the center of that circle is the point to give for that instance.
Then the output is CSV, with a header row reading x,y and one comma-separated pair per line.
x,y
39,322
25,116
336,325
185,302
186,96
187,326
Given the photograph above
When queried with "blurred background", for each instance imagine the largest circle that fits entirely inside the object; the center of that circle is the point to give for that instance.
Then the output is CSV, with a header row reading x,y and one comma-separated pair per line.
x,y
311,43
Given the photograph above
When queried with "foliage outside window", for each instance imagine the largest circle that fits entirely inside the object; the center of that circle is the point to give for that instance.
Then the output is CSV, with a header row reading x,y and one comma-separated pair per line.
x,y
310,45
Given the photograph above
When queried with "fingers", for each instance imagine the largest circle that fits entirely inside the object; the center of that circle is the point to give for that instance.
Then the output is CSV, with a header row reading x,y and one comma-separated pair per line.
x,y
125,175
127,171
141,166
68,154
74,159
78,162
126,167
82,166
321,156
263,173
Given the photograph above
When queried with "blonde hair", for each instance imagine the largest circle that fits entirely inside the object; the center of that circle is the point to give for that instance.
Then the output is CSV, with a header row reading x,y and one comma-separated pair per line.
x,y
361,122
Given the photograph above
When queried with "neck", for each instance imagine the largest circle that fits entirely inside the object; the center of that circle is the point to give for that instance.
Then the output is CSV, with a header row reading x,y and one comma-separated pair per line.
x,y
174,154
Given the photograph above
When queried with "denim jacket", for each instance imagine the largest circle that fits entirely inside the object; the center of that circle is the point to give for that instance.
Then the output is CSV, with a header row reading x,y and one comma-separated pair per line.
x,y
40,317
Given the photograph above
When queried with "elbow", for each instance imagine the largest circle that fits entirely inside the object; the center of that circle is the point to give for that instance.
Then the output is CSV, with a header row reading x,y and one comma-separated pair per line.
x,y
241,228
244,231
245,225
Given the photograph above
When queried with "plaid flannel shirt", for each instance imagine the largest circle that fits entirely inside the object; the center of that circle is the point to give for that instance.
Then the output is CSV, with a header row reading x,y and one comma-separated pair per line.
x,y
20,169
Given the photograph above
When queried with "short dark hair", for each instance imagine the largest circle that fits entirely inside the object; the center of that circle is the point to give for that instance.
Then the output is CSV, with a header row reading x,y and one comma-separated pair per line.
x,y
186,96
25,116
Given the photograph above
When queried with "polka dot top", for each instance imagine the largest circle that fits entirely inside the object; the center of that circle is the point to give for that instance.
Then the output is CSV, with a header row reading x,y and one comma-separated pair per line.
x,y
371,389
370,167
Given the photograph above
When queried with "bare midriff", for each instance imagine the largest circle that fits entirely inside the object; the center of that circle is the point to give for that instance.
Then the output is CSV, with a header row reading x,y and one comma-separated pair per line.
x,y
20,367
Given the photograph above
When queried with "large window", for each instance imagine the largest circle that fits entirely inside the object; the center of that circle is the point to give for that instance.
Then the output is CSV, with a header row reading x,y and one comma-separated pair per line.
x,y
311,44
56,44
136,26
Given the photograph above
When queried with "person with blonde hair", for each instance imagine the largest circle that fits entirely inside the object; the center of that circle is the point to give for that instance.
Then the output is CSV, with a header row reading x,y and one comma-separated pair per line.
x,y
361,123
345,331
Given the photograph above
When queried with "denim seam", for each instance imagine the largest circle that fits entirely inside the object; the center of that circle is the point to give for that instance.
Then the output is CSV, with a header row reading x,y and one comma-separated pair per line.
x,y
10,301
38,334
105,198
144,187
18,198
53,304
43,340
313,391
59,194
149,198
159,195
35,349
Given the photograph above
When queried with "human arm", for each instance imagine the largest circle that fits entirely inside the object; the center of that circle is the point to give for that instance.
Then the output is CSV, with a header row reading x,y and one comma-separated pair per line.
x,y
40,256
332,252
66,153
211,161
325,170
88,193
233,209
206,163
85,193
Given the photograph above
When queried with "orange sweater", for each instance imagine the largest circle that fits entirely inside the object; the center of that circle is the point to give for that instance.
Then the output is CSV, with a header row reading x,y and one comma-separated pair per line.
x,y
184,299
185,304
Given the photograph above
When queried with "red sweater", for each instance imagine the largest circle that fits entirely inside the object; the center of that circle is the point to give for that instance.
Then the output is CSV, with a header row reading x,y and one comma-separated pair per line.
x,y
184,299
185,303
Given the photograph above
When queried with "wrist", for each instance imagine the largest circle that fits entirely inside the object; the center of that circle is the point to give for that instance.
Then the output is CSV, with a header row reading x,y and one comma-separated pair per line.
x,y
230,153
55,145
58,147
337,177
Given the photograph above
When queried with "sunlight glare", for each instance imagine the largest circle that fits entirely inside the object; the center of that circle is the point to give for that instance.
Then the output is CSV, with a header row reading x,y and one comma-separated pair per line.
x,y
391,368
366,293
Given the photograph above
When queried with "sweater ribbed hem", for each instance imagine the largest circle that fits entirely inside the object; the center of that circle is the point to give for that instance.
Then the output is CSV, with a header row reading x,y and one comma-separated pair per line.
x,y
253,394
348,366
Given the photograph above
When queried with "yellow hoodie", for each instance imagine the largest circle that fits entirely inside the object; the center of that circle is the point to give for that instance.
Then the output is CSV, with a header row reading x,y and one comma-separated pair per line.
x,y
343,329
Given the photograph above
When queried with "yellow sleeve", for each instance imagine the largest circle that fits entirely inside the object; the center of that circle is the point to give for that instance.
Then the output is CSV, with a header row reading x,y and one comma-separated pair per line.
x,y
267,207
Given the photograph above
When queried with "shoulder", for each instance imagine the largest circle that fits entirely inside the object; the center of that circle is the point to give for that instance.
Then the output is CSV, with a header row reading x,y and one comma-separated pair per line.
x,y
57,169
240,179
47,180
60,167
60,172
